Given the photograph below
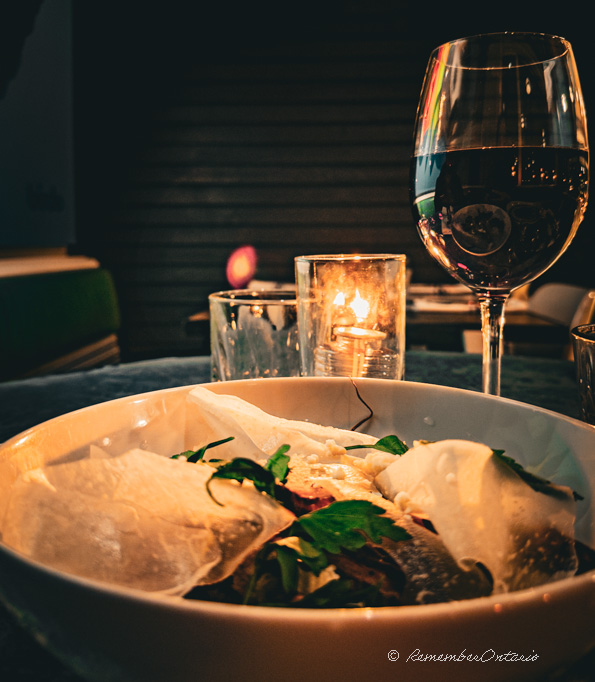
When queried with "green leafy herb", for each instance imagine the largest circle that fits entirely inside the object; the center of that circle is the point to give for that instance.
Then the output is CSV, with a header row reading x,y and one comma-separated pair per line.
x,y
261,559
340,593
391,444
196,455
184,455
540,485
278,464
287,558
264,478
312,557
345,525
240,469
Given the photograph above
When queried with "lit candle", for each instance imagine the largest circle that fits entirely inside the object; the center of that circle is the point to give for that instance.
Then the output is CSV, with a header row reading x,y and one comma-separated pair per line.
x,y
352,314
357,342
352,332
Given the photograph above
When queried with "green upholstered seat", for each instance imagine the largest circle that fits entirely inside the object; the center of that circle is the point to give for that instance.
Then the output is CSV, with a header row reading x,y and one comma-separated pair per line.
x,y
46,316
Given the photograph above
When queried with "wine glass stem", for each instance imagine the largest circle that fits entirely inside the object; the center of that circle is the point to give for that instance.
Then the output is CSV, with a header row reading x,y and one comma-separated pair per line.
x,y
492,325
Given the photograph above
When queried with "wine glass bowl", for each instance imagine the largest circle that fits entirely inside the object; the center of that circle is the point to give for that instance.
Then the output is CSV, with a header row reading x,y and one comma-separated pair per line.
x,y
499,172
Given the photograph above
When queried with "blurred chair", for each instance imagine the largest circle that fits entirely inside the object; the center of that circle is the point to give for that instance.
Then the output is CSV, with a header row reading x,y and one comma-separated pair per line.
x,y
57,322
585,312
557,301
566,304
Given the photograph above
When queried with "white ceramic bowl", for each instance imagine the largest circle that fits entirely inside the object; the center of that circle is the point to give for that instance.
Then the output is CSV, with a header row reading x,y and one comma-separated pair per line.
x,y
110,633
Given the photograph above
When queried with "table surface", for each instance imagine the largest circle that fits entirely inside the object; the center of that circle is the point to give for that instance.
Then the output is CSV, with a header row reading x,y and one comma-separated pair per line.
x,y
543,382
441,329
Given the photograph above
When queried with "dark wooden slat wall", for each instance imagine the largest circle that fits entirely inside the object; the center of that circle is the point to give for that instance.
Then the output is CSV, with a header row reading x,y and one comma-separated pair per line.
x,y
295,139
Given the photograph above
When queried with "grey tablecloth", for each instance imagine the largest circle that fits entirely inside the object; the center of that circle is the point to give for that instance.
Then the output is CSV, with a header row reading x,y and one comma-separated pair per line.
x,y
546,383
543,382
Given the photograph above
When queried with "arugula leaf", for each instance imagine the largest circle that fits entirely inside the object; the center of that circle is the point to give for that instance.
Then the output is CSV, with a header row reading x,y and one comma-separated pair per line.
x,y
275,582
264,478
196,455
345,524
278,464
391,444
287,557
312,557
185,454
241,468
276,570
260,561
540,485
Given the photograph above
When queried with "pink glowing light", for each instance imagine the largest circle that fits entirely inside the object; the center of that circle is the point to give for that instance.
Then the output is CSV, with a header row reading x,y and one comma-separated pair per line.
x,y
241,266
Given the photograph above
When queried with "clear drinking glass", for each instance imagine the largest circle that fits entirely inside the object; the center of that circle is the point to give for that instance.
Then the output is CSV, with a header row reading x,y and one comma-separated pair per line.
x,y
499,172
254,334
583,343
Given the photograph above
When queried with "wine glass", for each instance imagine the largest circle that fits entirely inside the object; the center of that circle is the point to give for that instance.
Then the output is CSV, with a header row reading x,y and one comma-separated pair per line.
x,y
499,173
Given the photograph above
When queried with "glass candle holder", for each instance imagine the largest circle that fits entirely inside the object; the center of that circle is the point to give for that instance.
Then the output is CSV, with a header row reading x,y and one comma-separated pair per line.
x,y
351,315
583,342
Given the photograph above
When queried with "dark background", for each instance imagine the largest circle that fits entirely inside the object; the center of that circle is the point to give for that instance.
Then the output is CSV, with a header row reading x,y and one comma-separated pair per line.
x,y
199,127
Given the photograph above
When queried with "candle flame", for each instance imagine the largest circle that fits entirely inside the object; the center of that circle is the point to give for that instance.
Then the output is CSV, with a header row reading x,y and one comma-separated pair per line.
x,y
360,307
339,299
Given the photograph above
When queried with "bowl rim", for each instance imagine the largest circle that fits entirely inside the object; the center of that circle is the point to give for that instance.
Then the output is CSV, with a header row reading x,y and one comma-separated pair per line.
x,y
495,603
365,381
